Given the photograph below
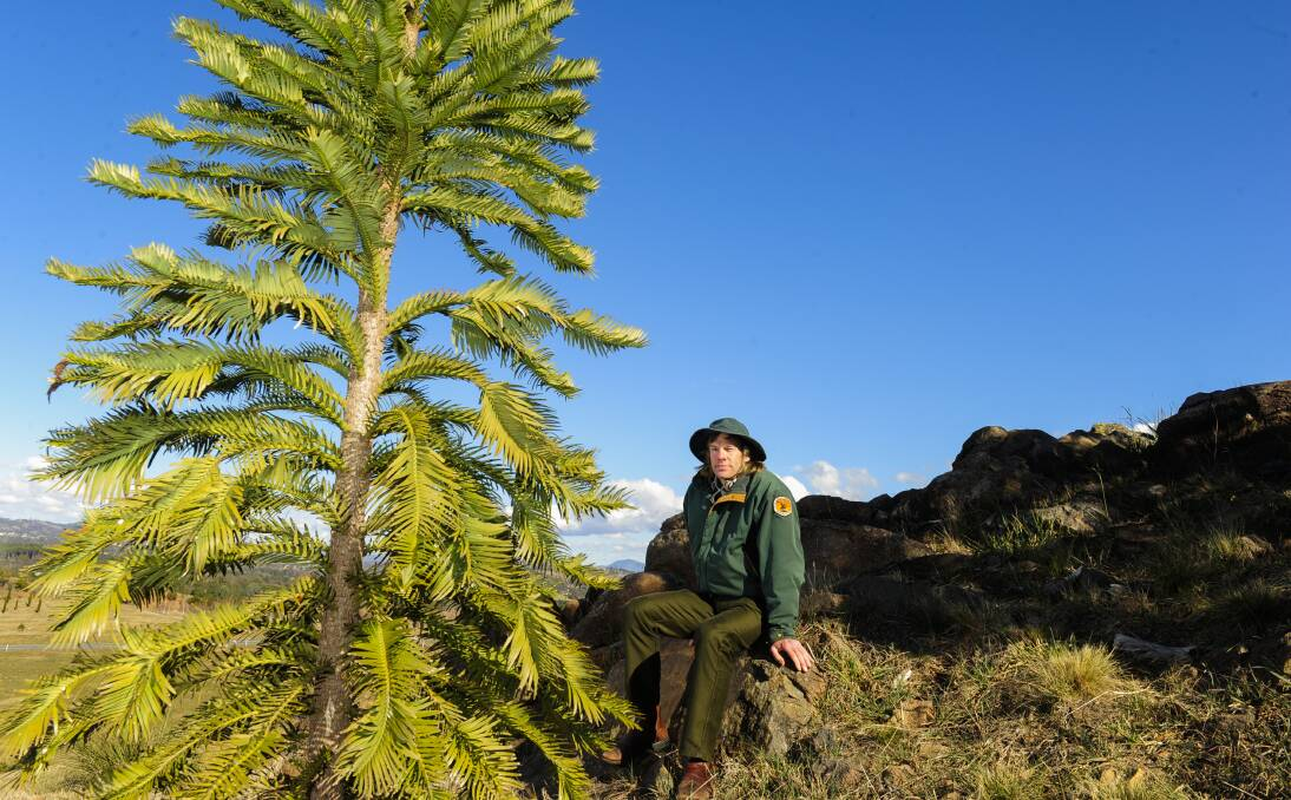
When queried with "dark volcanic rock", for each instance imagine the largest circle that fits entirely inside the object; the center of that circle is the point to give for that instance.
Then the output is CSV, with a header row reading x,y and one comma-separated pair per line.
x,y
1000,472
833,549
768,708
1107,447
773,709
675,656
1247,428
939,567
1034,450
975,490
837,550
1081,515
879,603
669,553
822,506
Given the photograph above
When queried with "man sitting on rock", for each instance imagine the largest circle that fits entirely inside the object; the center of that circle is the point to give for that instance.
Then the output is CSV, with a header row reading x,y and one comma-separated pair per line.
x,y
747,551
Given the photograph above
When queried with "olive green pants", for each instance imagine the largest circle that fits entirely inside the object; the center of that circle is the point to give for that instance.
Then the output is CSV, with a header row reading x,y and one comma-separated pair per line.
x,y
721,628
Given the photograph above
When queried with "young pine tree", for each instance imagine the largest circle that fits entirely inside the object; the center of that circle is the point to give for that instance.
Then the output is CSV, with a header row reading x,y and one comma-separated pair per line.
x,y
416,648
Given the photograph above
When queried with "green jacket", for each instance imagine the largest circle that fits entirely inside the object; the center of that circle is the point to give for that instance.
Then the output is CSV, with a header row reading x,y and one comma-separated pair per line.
x,y
746,542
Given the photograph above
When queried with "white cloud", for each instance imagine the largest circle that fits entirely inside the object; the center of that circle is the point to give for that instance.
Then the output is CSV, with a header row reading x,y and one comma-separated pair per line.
x,y
23,498
624,533
653,503
852,483
651,498
1145,427
795,487
910,479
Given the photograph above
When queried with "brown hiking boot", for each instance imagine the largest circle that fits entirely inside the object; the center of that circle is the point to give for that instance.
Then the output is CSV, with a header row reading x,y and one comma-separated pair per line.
x,y
630,747
635,744
696,782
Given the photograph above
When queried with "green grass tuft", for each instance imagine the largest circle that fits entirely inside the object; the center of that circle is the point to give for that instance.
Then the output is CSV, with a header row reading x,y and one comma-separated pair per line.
x,y
1076,673
1019,533
1006,781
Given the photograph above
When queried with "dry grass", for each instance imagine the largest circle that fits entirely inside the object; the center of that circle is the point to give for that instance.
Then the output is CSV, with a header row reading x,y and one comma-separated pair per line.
x,y
1254,604
1009,781
1141,785
50,785
27,620
1073,673
1030,703
1024,718
1196,559
19,667
24,656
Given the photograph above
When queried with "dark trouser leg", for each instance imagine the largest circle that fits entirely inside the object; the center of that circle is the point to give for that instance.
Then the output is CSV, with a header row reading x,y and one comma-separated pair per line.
x,y
719,641
645,618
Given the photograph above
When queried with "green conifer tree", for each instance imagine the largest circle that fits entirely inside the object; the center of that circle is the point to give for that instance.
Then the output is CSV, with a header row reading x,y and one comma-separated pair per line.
x,y
417,647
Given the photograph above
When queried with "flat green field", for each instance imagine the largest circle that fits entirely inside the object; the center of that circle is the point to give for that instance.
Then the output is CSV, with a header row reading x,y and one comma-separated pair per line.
x,y
18,667
25,652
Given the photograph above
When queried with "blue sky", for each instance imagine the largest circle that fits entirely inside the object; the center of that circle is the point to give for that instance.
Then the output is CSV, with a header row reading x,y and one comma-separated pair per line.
x,y
866,229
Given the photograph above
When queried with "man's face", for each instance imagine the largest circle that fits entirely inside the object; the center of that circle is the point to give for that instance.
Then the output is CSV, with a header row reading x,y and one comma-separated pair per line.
x,y
725,456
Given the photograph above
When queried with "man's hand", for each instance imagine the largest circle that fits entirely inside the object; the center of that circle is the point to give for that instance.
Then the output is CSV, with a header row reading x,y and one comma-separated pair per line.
x,y
795,651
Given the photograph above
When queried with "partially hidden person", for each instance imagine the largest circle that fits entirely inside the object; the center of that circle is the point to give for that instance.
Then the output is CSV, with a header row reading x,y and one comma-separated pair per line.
x,y
746,546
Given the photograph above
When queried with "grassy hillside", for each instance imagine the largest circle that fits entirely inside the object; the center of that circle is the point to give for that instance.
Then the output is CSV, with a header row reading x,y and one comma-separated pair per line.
x,y
987,671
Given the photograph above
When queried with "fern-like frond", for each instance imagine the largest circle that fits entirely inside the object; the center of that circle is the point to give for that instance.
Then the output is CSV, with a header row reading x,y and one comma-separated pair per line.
x,y
194,295
513,422
381,747
415,494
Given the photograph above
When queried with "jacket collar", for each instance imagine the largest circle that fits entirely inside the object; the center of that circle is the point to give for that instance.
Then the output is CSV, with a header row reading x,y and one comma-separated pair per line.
x,y
735,493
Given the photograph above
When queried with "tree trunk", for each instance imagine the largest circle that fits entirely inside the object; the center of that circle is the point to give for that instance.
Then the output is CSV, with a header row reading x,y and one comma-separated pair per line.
x,y
332,706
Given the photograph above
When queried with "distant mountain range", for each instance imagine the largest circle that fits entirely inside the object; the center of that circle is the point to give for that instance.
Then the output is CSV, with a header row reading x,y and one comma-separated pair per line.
x,y
31,530
627,565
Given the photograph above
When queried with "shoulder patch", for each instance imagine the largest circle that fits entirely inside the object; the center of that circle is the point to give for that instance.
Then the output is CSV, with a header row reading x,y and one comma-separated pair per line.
x,y
782,506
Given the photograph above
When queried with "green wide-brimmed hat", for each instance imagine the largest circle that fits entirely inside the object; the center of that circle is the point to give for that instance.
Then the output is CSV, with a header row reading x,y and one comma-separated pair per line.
x,y
731,427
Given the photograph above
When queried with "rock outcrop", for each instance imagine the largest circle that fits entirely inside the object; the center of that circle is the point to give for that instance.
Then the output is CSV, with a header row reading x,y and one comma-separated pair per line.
x,y
1247,429
833,549
999,472
773,709
876,561
669,552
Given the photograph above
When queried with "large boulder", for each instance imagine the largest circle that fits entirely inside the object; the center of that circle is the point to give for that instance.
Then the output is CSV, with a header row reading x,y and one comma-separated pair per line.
x,y
996,470
835,550
1108,449
838,509
675,656
1031,450
769,709
773,709
1078,515
1000,473
669,553
886,605
1247,429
